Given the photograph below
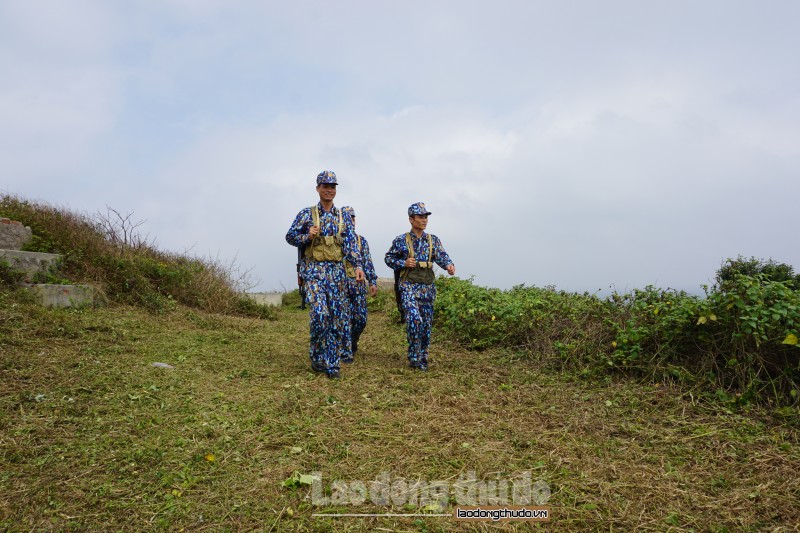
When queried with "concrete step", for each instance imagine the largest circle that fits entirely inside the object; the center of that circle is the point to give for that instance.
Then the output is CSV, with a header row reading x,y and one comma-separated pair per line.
x,y
30,262
13,235
50,295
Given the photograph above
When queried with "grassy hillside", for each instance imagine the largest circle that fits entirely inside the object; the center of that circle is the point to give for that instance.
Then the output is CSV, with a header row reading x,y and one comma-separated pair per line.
x,y
107,250
92,437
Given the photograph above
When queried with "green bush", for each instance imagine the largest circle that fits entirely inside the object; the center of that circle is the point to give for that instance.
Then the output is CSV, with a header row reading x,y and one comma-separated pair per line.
x,y
562,327
652,329
771,269
738,342
752,324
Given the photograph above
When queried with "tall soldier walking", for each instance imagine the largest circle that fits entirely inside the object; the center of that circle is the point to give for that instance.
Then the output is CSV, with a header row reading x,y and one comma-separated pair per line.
x,y
356,290
414,254
328,236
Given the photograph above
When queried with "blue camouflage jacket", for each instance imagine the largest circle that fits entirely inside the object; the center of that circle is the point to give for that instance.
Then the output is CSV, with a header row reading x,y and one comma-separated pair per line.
x,y
329,225
366,262
398,253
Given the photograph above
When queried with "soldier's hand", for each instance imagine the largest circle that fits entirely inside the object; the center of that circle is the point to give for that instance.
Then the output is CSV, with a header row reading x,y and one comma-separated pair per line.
x,y
373,290
359,275
451,269
313,231
411,263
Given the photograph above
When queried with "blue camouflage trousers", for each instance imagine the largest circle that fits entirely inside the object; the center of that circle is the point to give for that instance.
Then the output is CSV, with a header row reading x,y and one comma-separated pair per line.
x,y
357,295
417,302
329,316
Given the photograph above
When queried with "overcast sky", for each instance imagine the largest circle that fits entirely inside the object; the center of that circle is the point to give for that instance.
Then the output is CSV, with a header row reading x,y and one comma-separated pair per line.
x,y
585,144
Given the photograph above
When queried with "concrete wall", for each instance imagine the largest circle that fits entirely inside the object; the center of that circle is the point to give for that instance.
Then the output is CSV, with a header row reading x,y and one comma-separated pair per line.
x,y
274,299
386,284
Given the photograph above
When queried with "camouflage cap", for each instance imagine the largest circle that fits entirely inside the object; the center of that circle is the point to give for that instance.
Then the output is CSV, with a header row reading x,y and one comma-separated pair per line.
x,y
349,210
418,209
326,176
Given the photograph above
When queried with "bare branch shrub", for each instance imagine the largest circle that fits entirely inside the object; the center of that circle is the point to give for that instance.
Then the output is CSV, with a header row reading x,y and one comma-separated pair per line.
x,y
121,231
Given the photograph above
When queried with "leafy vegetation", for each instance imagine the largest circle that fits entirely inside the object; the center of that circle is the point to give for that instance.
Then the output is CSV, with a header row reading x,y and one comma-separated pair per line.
x,y
770,270
738,343
563,328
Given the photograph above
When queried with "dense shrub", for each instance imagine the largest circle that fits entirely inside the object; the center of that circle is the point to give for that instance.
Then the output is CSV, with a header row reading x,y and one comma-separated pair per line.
x,y
754,334
556,325
770,269
652,328
738,342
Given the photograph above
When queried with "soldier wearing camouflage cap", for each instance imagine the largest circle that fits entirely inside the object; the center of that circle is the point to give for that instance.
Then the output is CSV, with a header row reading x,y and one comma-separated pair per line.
x,y
327,236
356,290
413,254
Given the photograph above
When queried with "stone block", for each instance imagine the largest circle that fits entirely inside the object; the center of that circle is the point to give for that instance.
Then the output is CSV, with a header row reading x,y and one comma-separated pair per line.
x,y
13,235
64,295
31,263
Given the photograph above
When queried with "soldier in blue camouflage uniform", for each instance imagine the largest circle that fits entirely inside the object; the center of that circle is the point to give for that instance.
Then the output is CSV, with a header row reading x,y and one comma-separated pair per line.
x,y
414,253
357,291
328,237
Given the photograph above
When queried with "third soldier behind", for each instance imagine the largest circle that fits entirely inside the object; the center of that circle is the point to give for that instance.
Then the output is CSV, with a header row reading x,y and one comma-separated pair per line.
x,y
414,254
357,290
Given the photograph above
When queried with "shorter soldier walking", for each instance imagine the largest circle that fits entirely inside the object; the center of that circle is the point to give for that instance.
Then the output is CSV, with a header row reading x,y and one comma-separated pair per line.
x,y
357,290
414,254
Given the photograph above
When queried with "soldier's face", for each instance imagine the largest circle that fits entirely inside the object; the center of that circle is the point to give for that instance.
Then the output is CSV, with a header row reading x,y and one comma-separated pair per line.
x,y
327,191
418,222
